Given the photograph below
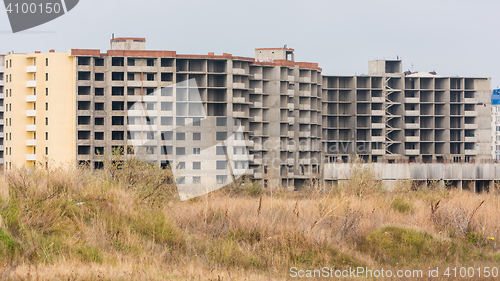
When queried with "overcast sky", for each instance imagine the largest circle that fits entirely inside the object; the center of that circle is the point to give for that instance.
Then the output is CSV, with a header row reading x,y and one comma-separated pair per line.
x,y
452,37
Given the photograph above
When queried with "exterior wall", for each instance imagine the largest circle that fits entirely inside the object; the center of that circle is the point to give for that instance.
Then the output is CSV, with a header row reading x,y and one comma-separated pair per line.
x,y
495,132
415,171
2,108
39,122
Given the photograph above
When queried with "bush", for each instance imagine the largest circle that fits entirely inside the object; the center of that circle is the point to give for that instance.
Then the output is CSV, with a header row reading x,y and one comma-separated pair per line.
x,y
401,205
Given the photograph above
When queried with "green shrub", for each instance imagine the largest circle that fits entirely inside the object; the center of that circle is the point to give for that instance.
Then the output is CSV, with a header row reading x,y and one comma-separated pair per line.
x,y
401,205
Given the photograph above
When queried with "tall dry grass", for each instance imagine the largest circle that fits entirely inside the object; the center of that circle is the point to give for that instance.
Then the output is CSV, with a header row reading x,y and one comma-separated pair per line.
x,y
126,222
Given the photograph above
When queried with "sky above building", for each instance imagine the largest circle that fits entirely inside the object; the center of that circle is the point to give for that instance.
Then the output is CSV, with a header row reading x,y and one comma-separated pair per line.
x,y
452,37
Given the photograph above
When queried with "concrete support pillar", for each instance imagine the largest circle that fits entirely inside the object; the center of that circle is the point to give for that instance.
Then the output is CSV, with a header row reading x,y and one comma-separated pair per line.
x,y
459,185
491,186
441,185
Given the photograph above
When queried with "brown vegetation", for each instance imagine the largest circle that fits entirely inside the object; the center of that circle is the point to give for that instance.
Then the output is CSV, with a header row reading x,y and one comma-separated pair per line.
x,y
128,223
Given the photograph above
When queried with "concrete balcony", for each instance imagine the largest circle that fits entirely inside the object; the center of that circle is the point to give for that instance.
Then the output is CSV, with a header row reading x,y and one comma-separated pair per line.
x,y
471,126
470,113
257,76
2,109
257,175
305,120
167,68
291,106
291,78
238,100
242,157
305,93
412,100
412,139
470,139
257,119
2,95
30,113
141,112
471,152
257,133
239,71
304,147
31,84
305,79
291,134
412,112
2,83
142,128
2,121
31,98
2,134
378,138
134,83
151,69
238,85
249,143
378,151
239,114
378,112
30,142
240,172
378,99
290,92
30,128
291,120
257,161
2,148
290,175
30,157
470,100
31,68
257,90
257,104
304,106
290,147
412,125
412,151
290,161
378,125
2,68
138,142
305,161
304,134
149,84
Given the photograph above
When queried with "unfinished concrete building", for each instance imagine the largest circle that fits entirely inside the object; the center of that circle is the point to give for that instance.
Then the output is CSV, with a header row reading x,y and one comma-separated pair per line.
x,y
393,117
275,100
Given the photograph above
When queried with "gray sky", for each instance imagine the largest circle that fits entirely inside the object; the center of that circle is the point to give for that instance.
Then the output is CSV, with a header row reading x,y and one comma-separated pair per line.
x,y
453,37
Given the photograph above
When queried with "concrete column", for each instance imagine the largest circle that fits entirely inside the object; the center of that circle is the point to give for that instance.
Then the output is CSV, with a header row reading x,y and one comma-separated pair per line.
x,y
441,185
491,186
459,185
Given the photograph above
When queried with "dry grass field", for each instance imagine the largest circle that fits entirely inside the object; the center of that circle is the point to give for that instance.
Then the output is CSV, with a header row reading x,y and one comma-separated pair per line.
x,y
129,224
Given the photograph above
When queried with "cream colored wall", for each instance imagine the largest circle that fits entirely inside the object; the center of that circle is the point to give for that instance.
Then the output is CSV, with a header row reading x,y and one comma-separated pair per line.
x,y
61,113
15,110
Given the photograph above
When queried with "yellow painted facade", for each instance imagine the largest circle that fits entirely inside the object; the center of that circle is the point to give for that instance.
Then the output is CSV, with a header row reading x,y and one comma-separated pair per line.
x,y
39,109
